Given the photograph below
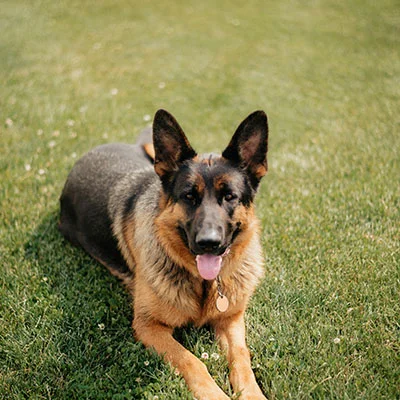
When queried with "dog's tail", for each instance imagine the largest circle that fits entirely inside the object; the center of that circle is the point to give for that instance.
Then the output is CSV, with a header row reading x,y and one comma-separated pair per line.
x,y
145,140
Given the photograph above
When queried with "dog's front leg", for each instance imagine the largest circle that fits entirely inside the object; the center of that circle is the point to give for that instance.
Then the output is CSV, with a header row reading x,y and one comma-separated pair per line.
x,y
199,381
231,333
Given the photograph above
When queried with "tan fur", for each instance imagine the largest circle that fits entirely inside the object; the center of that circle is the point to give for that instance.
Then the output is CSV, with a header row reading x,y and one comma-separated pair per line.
x,y
149,150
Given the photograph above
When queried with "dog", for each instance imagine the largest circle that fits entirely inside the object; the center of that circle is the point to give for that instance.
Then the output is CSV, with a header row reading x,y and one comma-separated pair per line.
x,y
180,231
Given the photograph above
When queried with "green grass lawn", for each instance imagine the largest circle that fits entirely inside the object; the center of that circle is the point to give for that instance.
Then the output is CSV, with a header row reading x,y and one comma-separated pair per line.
x,y
325,323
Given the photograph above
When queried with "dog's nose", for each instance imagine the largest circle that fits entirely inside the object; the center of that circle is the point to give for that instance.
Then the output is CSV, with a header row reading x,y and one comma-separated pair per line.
x,y
209,240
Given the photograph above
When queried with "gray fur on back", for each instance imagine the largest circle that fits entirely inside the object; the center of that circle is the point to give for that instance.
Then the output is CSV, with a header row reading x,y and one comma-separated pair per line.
x,y
89,195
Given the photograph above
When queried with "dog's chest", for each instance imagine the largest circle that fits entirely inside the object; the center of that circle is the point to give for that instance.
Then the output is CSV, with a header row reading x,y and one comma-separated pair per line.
x,y
210,301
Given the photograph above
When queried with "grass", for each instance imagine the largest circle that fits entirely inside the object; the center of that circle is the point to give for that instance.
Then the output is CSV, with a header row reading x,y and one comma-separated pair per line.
x,y
324,324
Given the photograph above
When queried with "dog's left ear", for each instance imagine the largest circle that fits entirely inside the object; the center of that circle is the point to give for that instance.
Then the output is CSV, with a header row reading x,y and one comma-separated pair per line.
x,y
170,145
249,145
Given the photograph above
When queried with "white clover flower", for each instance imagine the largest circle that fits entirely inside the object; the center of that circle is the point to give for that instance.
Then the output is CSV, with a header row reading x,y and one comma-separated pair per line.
x,y
101,327
204,356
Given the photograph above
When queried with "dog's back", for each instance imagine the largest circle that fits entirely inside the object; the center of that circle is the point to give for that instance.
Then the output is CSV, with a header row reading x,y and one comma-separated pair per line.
x,y
85,201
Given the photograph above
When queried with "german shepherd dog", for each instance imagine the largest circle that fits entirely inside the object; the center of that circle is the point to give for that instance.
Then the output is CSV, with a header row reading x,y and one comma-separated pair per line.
x,y
179,229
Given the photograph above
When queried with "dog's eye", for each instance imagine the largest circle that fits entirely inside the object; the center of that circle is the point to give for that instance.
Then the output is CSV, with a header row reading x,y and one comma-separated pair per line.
x,y
189,197
229,196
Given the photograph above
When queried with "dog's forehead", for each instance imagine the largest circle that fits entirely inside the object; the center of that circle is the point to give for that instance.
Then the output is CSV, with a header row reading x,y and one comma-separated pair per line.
x,y
209,159
209,171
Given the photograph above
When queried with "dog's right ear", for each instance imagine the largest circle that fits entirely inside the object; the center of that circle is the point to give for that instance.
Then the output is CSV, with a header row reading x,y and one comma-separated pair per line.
x,y
170,144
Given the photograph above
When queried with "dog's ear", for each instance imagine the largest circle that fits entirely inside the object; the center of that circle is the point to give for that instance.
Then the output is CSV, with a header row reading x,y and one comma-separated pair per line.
x,y
170,144
249,145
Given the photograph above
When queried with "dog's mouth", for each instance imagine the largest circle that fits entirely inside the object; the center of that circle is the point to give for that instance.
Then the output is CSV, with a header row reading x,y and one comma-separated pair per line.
x,y
208,265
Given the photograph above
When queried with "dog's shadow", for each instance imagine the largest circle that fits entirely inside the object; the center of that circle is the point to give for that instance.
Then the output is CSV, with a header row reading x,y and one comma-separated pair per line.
x,y
92,328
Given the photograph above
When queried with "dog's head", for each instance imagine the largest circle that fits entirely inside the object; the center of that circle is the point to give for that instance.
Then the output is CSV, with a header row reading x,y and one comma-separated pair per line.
x,y
208,198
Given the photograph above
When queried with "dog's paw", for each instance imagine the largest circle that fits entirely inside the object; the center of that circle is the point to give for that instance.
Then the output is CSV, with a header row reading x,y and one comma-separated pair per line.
x,y
209,391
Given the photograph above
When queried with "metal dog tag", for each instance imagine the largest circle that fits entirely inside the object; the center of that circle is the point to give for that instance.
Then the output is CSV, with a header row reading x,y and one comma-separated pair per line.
x,y
222,303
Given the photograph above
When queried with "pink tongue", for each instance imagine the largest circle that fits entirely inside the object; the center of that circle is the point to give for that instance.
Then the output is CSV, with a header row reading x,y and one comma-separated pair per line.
x,y
209,266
